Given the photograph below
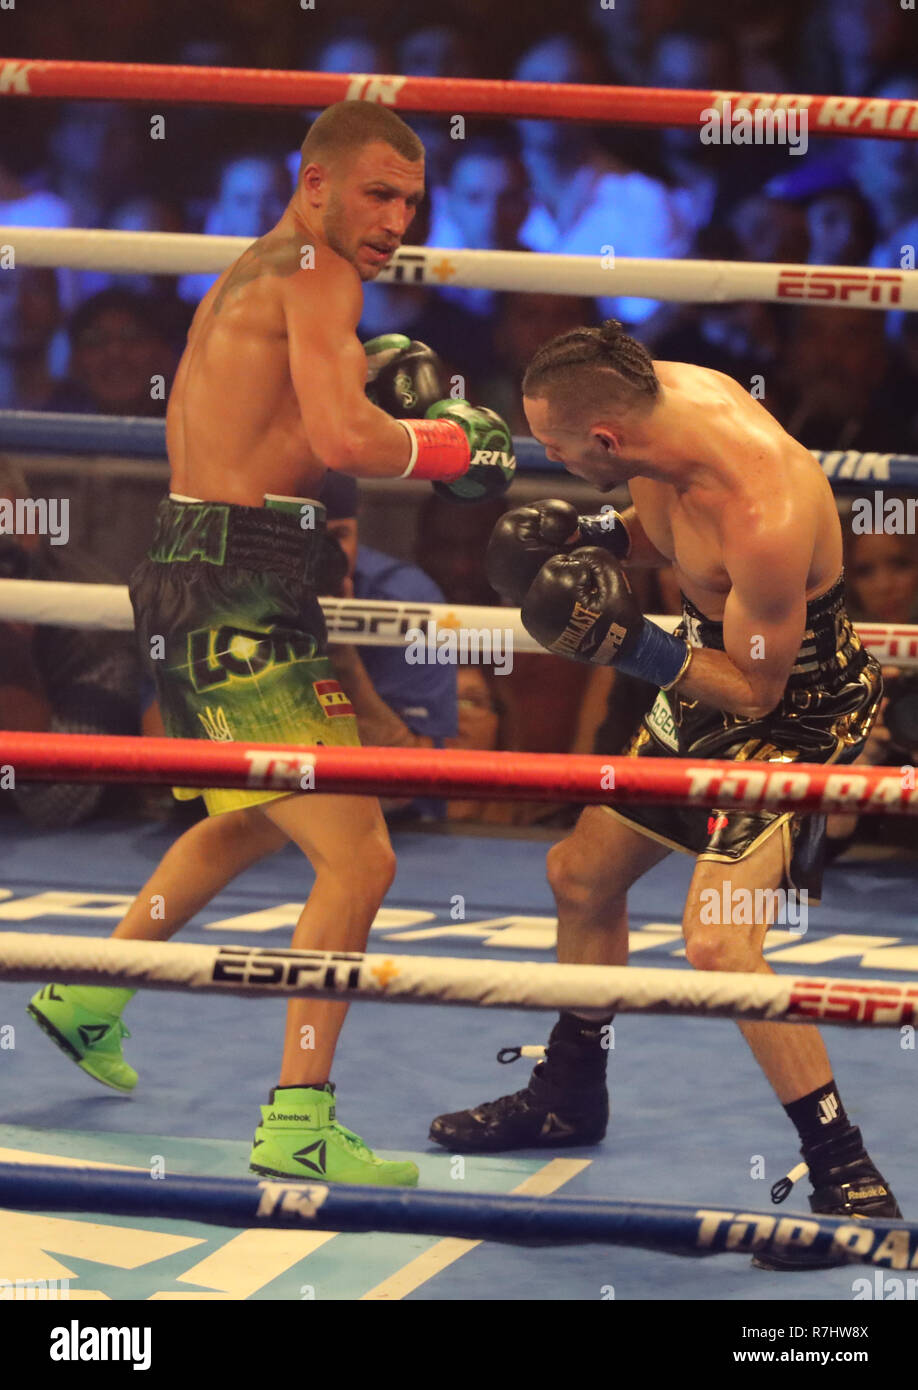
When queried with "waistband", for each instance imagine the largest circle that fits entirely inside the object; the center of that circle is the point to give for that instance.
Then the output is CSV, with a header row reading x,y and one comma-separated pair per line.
x,y
829,640
288,543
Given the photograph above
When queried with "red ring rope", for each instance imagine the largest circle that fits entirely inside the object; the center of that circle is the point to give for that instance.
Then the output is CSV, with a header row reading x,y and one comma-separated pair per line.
x,y
457,773
648,106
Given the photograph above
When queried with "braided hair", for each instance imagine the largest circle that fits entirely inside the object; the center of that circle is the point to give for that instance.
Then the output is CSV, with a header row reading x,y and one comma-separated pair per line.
x,y
621,369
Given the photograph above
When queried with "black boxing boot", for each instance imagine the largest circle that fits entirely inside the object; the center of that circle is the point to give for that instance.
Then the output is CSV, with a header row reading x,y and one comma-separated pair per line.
x,y
845,1183
565,1102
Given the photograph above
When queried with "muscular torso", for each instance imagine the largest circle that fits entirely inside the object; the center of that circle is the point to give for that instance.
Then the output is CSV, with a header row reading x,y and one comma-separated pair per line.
x,y
233,427
768,473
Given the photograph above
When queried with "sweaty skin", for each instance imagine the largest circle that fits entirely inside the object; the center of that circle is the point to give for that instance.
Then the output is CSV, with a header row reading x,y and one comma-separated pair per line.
x,y
742,511
270,390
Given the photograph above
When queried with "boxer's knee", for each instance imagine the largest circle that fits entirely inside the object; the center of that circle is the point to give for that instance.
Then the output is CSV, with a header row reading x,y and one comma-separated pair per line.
x,y
719,948
578,882
373,865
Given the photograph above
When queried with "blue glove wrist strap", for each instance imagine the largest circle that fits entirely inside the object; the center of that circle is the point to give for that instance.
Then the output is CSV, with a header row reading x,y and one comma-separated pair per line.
x,y
658,657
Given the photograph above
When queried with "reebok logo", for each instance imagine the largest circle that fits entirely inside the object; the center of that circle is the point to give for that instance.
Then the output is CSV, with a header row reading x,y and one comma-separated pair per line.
x,y
315,1164
553,1125
304,1119
92,1032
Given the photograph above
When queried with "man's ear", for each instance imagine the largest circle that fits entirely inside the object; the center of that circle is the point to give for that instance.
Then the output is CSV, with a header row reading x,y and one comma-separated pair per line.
x,y
313,180
606,438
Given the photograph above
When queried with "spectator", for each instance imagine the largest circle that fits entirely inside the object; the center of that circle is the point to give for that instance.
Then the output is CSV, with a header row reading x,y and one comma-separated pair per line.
x,y
770,229
142,214
397,704
482,208
451,545
23,205
850,45
881,575
584,201
29,317
841,227
629,31
60,679
485,722
349,47
122,360
886,172
436,50
845,388
695,57
740,338
252,195
98,159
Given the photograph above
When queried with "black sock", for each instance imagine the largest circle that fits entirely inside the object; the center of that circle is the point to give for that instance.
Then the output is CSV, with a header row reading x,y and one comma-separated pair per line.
x,y
587,1033
824,1128
578,1050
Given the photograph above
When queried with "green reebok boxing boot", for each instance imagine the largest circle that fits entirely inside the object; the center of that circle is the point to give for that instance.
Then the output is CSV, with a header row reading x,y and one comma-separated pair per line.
x,y
85,1022
300,1138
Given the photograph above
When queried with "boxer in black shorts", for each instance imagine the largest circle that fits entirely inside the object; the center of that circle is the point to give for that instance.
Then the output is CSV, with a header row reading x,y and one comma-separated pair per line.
x,y
765,665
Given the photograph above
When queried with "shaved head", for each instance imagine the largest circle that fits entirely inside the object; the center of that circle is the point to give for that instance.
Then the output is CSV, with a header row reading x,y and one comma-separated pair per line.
x,y
347,127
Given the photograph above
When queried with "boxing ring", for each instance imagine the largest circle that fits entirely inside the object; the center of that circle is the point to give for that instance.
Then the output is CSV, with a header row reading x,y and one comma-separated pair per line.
x,y
473,1217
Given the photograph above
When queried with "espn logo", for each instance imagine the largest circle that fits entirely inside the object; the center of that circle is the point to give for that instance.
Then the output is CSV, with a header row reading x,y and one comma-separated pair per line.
x,y
890,1004
842,286
332,698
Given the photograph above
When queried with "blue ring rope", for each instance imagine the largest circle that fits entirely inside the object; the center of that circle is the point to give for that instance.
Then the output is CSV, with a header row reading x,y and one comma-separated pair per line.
x,y
39,431
516,1220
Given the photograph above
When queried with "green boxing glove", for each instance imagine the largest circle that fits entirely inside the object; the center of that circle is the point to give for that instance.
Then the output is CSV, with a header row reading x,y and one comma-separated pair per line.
x,y
492,463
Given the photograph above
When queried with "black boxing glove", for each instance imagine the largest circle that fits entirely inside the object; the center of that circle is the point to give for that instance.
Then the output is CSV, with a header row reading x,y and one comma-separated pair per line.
x,y
525,538
522,540
580,605
404,377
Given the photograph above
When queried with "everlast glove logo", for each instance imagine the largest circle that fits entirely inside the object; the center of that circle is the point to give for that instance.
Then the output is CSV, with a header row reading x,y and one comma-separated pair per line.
x,y
581,622
244,965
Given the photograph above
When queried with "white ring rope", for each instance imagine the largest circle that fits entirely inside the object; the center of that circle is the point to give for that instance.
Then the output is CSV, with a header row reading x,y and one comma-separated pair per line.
x,y
376,623
249,970
688,281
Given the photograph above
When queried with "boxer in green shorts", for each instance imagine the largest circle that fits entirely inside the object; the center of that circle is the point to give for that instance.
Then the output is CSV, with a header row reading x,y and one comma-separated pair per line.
x,y
232,591
273,389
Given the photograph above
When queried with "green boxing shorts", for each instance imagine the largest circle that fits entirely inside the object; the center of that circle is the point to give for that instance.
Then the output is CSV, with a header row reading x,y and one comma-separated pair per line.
x,y
829,706
227,616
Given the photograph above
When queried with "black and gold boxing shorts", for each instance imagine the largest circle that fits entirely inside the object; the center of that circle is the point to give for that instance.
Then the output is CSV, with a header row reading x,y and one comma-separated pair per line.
x,y
829,705
227,616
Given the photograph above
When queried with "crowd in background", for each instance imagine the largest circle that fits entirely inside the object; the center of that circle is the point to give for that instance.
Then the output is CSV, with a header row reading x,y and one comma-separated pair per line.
x,y
836,378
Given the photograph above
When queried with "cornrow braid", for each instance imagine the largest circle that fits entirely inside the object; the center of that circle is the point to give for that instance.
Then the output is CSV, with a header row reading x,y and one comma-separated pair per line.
x,y
622,366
